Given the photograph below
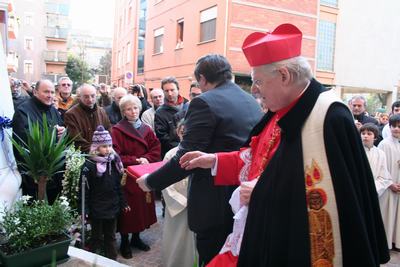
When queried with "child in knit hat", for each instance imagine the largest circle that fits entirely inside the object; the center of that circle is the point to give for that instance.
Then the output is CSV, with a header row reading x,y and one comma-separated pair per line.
x,y
104,198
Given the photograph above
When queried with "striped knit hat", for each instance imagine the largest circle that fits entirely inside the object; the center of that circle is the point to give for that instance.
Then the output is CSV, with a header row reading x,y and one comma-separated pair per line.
x,y
100,137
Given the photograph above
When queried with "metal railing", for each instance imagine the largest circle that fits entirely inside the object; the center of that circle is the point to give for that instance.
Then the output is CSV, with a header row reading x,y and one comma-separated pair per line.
x,y
55,56
56,32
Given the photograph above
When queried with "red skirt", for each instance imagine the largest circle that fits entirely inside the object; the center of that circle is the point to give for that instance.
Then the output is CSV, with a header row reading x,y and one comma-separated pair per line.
x,y
223,260
143,212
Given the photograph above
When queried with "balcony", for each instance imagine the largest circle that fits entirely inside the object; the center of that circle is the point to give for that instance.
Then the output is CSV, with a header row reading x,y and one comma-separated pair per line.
x,y
12,27
56,33
53,76
57,57
12,62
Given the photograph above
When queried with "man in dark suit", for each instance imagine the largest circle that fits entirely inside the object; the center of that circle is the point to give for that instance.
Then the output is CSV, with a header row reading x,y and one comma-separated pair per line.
x,y
220,119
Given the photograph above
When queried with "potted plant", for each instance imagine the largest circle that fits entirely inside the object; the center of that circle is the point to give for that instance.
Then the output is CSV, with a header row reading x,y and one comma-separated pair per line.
x,y
42,153
34,233
35,230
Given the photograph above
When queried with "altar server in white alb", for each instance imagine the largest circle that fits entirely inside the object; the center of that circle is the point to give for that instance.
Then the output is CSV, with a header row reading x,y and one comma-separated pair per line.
x,y
376,157
390,200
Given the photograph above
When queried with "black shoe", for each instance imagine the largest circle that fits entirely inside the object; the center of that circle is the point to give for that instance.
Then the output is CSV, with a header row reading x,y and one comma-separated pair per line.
x,y
138,243
125,249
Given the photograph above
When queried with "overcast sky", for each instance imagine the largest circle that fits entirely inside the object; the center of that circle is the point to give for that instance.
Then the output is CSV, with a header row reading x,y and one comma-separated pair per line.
x,y
95,16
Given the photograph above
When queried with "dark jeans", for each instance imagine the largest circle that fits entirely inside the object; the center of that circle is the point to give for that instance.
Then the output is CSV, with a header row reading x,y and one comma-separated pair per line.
x,y
103,235
209,244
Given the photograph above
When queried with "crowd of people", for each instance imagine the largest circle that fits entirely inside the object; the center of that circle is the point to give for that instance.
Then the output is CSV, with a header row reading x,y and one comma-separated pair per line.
x,y
292,178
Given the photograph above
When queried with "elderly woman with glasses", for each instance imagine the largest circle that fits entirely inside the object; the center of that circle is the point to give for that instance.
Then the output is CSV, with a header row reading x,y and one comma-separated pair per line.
x,y
136,143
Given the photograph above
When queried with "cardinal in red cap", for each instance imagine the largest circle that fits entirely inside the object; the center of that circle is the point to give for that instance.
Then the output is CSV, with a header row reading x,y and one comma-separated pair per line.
x,y
312,201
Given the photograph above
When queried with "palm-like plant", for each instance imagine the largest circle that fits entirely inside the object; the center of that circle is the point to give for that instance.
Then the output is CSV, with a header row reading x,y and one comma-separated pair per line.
x,y
42,154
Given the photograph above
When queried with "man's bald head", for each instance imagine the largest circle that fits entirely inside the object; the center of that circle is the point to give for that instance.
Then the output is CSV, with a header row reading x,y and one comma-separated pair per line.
x,y
87,95
157,97
119,93
45,92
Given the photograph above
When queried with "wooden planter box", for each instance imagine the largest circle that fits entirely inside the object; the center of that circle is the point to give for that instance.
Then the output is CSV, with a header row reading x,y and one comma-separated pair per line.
x,y
37,257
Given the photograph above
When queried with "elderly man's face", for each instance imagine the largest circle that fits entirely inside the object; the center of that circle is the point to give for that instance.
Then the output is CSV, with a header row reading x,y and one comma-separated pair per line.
x,y
15,86
45,93
118,94
357,106
65,88
88,96
268,86
157,97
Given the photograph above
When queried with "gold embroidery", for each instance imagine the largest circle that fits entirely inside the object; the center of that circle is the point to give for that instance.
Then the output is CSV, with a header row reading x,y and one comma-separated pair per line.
x,y
320,224
148,197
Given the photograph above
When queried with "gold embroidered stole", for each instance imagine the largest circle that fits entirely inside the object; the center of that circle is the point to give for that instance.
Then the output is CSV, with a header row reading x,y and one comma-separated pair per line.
x,y
323,217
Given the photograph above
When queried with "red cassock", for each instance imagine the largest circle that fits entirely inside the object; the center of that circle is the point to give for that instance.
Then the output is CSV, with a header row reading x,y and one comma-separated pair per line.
x,y
131,144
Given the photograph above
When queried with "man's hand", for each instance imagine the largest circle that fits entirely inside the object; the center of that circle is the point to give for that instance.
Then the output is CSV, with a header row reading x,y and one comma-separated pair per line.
x,y
197,159
142,161
245,191
358,124
395,187
26,86
60,130
141,181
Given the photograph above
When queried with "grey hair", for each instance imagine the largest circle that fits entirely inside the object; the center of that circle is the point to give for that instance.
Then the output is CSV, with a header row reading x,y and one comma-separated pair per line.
x,y
156,90
359,97
298,67
64,78
119,89
129,99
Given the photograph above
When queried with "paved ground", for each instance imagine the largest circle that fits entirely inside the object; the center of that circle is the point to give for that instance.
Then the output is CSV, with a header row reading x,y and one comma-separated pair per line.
x,y
152,258
152,237
394,260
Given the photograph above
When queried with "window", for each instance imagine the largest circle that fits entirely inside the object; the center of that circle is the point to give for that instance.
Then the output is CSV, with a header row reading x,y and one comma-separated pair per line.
x,y
142,36
28,43
141,43
333,3
57,8
140,68
208,23
54,20
326,45
179,34
128,52
28,19
28,67
158,40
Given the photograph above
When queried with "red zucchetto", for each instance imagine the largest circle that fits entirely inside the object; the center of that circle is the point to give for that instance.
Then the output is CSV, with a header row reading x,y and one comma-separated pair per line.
x,y
265,48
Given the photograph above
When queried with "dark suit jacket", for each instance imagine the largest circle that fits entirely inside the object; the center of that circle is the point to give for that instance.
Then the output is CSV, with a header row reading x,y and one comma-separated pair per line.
x,y
218,120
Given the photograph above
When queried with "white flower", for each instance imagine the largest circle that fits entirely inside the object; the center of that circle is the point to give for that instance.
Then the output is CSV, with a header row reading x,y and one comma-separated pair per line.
x,y
17,221
25,199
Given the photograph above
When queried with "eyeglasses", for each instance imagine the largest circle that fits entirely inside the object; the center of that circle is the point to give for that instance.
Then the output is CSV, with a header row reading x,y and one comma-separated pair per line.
x,y
66,84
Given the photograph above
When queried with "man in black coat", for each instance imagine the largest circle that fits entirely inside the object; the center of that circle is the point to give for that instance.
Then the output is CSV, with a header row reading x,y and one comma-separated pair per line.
x,y
164,118
220,119
34,108
113,111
